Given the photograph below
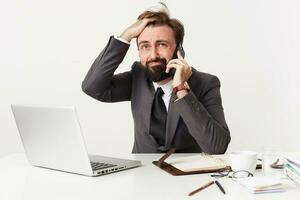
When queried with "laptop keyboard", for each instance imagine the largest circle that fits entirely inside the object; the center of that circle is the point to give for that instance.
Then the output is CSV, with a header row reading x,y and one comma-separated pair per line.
x,y
98,165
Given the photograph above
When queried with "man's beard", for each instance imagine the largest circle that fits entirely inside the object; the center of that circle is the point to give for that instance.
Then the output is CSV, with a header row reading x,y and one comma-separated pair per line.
x,y
157,72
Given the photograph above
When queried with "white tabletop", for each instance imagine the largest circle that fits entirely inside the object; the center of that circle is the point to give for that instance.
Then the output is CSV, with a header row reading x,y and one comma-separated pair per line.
x,y
19,180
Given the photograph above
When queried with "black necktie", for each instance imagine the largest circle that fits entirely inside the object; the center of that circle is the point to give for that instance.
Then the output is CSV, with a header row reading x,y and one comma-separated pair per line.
x,y
158,118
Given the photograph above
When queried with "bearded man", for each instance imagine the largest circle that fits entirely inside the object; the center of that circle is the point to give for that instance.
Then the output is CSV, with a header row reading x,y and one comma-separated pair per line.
x,y
181,110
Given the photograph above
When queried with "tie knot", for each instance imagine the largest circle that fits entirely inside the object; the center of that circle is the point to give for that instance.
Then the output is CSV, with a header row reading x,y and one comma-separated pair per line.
x,y
159,92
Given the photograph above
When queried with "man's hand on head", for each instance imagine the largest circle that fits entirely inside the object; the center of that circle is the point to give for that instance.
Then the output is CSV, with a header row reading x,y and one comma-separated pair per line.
x,y
135,29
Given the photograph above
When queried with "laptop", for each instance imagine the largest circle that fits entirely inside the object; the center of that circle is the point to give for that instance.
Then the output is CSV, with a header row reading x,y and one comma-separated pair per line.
x,y
52,139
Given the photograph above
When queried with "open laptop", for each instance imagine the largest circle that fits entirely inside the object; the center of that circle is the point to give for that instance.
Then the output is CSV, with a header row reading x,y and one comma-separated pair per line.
x,y
52,139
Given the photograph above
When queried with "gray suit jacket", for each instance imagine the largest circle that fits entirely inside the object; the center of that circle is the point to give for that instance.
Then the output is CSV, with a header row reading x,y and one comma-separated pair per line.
x,y
195,123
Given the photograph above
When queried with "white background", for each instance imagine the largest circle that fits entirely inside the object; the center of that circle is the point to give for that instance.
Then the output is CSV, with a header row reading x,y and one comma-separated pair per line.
x,y
46,48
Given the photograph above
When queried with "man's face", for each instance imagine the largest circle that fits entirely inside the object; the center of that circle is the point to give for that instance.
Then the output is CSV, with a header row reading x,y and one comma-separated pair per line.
x,y
156,47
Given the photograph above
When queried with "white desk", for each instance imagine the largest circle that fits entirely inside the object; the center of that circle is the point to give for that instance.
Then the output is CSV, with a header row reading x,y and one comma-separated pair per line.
x,y
19,180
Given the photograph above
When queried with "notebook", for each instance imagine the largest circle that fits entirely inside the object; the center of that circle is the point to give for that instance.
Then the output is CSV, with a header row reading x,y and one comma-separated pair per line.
x,y
294,160
261,184
198,162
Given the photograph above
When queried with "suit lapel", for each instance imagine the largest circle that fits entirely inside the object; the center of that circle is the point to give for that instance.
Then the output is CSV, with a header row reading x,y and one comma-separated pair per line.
x,y
172,117
147,100
172,121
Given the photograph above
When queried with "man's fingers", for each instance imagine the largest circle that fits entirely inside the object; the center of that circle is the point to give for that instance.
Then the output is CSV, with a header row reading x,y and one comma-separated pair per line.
x,y
170,66
140,25
151,19
177,61
179,55
181,58
146,21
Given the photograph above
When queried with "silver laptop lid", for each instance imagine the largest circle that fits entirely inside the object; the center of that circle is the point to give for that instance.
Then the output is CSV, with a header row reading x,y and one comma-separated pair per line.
x,y
52,137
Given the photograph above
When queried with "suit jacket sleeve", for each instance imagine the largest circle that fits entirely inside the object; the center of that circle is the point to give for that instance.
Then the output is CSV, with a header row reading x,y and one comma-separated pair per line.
x,y
203,114
100,81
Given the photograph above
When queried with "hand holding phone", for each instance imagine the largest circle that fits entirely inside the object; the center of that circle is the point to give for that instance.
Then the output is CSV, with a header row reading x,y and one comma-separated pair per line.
x,y
178,68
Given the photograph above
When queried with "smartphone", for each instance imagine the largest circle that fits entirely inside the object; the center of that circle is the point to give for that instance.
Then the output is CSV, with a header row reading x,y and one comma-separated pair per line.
x,y
181,51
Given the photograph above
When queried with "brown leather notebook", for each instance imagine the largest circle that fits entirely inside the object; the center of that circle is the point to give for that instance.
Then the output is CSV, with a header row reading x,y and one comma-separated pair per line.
x,y
177,172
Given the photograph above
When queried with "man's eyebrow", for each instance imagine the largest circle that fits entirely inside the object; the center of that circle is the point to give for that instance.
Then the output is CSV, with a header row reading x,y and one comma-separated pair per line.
x,y
157,41
166,41
142,42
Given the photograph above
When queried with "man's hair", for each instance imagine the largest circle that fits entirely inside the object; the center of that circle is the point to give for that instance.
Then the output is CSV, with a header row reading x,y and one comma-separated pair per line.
x,y
162,18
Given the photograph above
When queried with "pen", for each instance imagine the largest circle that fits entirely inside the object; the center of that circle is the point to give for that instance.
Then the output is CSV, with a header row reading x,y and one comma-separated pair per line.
x,y
220,187
201,188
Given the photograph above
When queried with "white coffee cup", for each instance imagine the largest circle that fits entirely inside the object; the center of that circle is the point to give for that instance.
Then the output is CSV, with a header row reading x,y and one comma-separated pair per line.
x,y
243,160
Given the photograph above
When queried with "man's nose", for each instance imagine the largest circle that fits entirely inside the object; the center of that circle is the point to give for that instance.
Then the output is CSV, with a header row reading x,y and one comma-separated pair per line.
x,y
153,53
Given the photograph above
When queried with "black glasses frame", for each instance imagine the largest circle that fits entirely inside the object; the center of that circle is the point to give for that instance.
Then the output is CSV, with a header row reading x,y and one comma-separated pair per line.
x,y
232,174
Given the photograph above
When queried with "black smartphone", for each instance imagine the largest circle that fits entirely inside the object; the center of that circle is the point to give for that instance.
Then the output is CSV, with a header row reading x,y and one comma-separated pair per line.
x,y
181,51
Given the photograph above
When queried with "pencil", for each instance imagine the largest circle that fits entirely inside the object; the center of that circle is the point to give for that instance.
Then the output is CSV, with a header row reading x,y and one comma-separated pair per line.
x,y
201,188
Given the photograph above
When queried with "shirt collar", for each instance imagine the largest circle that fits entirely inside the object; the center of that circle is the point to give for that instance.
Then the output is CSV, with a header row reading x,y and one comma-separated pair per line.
x,y
167,87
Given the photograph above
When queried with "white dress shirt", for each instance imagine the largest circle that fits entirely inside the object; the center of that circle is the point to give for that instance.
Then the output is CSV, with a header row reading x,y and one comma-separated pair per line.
x,y
122,40
167,88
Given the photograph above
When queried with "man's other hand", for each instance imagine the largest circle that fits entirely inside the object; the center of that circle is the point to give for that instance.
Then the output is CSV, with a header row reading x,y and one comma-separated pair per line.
x,y
183,70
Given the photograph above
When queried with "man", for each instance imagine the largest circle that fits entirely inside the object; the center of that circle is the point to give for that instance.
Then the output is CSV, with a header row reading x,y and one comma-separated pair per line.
x,y
184,112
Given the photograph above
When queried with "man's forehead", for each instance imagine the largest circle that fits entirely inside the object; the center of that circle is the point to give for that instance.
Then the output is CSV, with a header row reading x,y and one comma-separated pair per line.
x,y
157,33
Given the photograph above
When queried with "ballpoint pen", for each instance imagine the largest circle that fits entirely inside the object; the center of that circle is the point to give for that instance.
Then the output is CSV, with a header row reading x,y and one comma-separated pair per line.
x,y
201,188
220,187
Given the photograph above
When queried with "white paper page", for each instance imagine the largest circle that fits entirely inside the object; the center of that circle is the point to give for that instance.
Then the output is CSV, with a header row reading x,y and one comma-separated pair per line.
x,y
198,162
258,184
